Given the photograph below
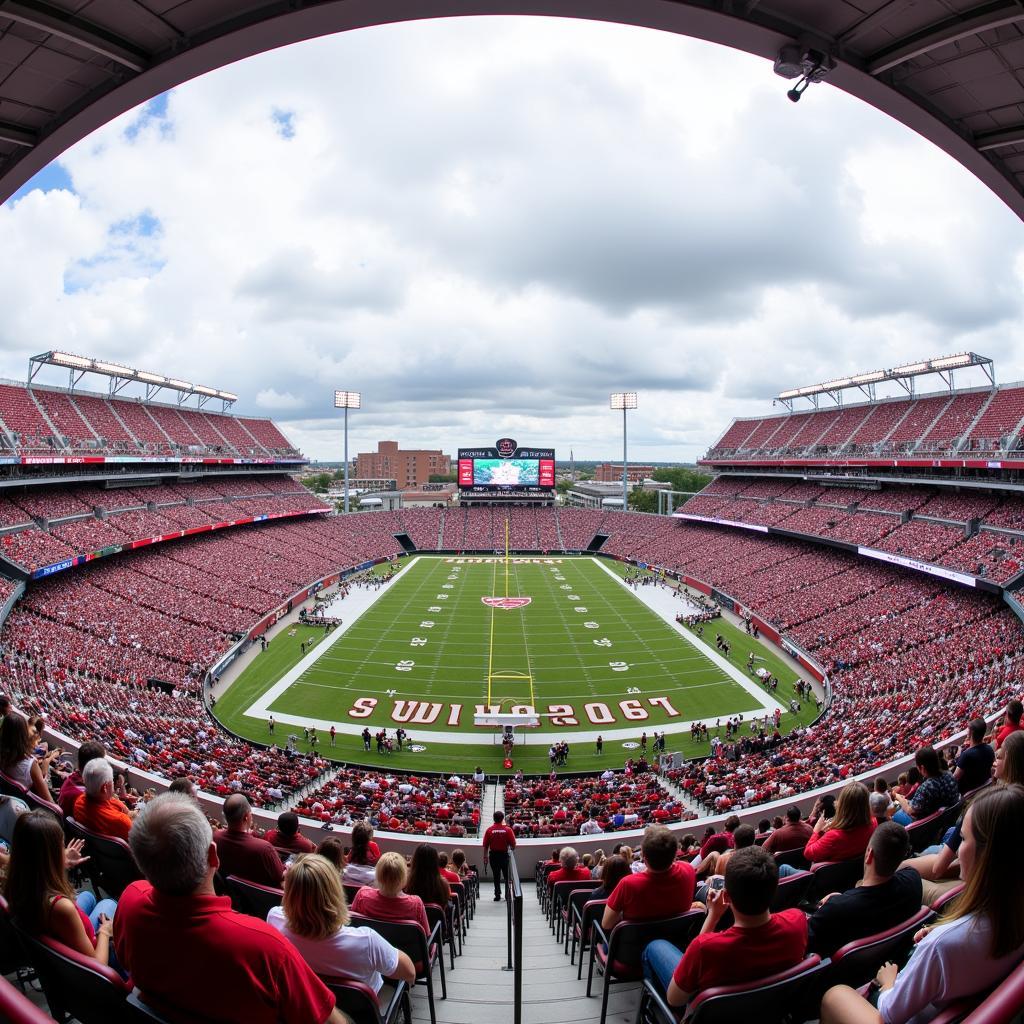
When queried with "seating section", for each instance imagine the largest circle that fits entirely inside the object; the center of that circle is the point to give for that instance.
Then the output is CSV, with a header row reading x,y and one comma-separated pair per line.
x,y
877,519
964,423
420,804
74,528
539,807
49,421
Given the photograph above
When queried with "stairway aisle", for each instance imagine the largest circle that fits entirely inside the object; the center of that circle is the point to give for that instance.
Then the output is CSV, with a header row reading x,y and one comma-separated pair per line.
x,y
479,992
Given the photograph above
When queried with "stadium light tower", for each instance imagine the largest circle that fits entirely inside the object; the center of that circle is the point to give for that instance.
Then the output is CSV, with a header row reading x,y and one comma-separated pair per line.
x,y
624,400
347,400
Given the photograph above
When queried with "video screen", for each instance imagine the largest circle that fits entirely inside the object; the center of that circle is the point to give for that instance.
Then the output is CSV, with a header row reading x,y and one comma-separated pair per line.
x,y
506,472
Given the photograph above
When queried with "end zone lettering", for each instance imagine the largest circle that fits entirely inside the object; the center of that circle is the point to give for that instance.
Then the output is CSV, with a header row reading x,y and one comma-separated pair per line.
x,y
421,712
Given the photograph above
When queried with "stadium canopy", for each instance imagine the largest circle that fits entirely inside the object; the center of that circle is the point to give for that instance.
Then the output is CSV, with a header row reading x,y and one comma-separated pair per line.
x,y
905,376
952,70
121,376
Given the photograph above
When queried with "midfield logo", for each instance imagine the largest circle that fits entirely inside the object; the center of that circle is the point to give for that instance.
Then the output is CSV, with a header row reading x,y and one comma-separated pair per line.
x,y
506,602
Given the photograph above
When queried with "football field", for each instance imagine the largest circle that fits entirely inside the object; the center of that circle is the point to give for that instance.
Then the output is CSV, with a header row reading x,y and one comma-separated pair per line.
x,y
451,637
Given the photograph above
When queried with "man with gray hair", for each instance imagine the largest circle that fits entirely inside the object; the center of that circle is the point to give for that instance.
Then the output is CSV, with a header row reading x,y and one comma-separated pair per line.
x,y
570,871
97,809
189,953
240,852
881,807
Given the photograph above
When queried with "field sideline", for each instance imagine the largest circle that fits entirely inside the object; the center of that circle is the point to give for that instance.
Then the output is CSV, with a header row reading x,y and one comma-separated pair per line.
x,y
586,653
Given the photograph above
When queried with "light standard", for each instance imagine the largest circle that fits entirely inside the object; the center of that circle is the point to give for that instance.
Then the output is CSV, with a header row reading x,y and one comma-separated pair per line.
x,y
624,400
347,400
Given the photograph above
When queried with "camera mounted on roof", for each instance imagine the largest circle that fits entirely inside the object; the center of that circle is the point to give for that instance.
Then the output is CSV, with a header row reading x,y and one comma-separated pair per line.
x,y
804,61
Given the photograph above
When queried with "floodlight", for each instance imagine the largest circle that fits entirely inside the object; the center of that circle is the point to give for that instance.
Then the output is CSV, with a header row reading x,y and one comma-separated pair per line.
x,y
227,396
64,359
868,378
792,393
951,362
845,382
183,384
115,368
623,400
347,399
151,378
911,368
203,390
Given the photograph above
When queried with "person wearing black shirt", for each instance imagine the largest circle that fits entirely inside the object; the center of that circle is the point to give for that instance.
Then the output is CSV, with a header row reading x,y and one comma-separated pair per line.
x,y
974,765
887,896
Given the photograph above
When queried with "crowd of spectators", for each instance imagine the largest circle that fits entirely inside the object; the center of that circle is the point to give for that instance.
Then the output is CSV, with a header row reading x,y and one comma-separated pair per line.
x,y
588,805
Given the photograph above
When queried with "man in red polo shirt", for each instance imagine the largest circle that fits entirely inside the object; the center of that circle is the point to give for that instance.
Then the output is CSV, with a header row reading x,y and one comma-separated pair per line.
x,y
498,840
758,945
665,889
570,870
188,952
287,835
240,852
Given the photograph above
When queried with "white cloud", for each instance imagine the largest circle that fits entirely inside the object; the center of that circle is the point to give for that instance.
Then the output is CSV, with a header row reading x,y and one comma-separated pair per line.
x,y
486,225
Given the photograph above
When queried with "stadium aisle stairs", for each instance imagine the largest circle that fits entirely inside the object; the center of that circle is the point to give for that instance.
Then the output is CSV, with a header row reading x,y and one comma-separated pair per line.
x,y
479,992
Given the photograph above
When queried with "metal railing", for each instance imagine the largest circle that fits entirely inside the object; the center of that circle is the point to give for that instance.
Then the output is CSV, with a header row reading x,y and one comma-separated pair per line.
x,y
514,914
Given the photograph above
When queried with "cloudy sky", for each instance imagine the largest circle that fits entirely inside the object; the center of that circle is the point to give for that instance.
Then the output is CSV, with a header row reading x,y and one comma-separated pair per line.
x,y
487,225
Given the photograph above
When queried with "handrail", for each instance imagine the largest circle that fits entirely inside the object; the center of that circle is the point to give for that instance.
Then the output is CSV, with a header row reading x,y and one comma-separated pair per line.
x,y
514,914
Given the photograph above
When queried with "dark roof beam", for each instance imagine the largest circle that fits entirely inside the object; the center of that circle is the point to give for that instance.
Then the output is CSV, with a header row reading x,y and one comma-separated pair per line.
x,y
17,135
982,19
47,18
1000,139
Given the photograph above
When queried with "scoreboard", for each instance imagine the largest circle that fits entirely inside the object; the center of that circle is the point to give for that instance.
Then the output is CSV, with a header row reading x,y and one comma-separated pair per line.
x,y
506,469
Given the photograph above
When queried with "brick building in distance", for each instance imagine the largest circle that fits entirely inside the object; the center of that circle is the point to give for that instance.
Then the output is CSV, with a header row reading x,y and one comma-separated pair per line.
x,y
407,468
608,472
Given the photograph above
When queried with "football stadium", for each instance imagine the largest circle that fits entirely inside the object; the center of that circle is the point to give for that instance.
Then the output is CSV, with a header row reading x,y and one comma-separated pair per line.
x,y
760,753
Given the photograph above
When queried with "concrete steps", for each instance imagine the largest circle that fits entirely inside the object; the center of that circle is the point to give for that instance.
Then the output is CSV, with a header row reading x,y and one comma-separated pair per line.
x,y
480,992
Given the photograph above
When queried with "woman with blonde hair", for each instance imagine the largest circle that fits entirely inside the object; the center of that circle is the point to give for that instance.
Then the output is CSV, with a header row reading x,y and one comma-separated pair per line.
x,y
387,902
973,946
847,834
314,918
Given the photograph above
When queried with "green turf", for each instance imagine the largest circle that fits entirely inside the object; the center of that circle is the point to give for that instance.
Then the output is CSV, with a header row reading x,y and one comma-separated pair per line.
x,y
548,641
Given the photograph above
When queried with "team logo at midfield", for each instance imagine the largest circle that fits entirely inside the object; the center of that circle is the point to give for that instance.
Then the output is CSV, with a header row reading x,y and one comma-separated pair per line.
x,y
506,602
506,447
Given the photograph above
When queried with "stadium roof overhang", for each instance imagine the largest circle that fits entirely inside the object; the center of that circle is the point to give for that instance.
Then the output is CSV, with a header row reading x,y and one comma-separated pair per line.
x,y
952,71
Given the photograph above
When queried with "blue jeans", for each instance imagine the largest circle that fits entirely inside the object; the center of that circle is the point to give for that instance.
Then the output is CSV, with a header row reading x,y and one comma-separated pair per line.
x,y
92,908
661,959
785,870
902,818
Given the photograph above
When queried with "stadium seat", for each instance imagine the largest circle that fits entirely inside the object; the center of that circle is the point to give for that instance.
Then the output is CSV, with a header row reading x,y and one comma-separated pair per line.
x,y
792,891
143,1010
361,1004
857,962
557,914
835,876
77,985
943,902
794,858
424,951
111,864
618,956
438,915
583,930
252,898
924,832
16,1009
768,1000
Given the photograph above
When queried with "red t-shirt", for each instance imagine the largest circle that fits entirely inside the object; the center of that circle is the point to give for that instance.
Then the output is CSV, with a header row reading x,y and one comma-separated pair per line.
x,y
499,838
838,843
577,874
236,967
370,902
450,876
1006,730
298,843
651,894
248,857
738,955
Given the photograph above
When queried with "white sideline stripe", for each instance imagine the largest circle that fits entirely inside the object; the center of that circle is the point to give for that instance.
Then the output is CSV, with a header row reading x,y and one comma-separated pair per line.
x,y
660,601
656,598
